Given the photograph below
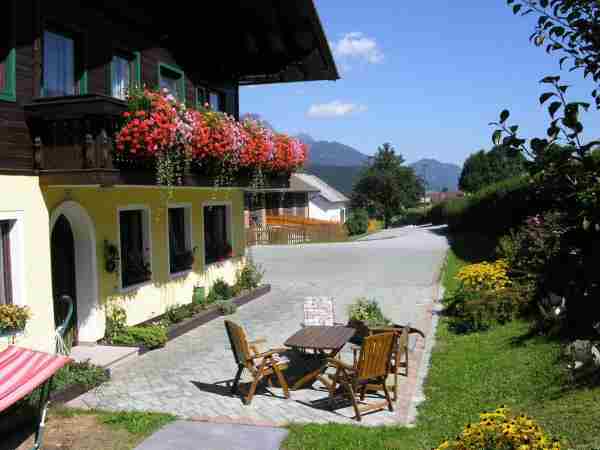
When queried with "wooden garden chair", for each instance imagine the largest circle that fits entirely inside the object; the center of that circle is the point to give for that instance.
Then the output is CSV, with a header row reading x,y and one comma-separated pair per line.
x,y
260,365
399,361
370,370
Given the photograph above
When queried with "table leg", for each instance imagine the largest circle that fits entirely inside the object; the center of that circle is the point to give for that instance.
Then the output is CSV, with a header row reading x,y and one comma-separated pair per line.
x,y
316,374
311,376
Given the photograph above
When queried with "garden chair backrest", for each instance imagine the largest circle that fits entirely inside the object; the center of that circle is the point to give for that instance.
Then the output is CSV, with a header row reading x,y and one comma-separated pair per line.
x,y
375,354
239,343
318,311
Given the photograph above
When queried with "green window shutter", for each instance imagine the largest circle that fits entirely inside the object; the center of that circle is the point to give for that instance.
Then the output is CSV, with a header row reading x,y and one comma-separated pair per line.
x,y
83,83
163,72
9,93
137,76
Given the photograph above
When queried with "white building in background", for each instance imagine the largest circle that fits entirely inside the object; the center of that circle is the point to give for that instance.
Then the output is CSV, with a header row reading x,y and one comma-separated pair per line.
x,y
324,202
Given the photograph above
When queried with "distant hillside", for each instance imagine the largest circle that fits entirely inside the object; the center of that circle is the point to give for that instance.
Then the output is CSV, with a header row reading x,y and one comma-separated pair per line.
x,y
341,178
438,175
326,153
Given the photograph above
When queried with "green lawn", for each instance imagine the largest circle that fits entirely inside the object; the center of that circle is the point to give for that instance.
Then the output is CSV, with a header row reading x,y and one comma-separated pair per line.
x,y
472,373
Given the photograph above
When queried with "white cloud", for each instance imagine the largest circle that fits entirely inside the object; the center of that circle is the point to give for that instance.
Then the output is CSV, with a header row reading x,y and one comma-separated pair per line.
x,y
336,108
356,45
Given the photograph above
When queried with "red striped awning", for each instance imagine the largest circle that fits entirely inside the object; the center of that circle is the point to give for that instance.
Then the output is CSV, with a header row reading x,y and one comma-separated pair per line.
x,y
22,370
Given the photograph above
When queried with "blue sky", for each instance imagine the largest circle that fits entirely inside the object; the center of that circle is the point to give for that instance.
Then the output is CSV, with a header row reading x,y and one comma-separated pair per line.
x,y
427,77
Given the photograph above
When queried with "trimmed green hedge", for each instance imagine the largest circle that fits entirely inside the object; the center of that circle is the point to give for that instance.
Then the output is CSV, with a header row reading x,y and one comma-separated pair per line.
x,y
151,337
493,211
412,216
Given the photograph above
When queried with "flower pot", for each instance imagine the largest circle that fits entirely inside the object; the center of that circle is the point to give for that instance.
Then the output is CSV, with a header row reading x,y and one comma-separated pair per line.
x,y
11,332
199,295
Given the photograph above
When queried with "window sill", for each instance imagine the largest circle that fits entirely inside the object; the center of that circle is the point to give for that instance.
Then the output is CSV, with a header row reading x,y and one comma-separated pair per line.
x,y
8,97
224,260
180,274
134,287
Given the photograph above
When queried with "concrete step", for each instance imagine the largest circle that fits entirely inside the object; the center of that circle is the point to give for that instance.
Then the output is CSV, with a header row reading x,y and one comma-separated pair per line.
x,y
105,356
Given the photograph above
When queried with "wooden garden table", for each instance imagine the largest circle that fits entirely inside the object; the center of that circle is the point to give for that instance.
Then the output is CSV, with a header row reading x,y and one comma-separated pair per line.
x,y
326,341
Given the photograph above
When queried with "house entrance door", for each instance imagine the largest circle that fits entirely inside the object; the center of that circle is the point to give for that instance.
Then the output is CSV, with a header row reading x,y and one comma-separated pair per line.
x,y
63,275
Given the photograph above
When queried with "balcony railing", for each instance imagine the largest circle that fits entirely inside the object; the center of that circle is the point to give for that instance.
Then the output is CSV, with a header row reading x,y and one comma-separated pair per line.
x,y
73,133
73,143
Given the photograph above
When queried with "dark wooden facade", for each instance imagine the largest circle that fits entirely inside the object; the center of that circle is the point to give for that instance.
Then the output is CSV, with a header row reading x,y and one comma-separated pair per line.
x,y
69,138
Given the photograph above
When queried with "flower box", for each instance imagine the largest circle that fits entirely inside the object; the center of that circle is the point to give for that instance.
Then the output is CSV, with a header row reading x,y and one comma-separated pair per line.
x,y
174,142
13,319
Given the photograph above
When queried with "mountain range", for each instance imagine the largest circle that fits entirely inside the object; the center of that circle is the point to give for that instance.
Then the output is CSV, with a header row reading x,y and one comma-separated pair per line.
x,y
340,165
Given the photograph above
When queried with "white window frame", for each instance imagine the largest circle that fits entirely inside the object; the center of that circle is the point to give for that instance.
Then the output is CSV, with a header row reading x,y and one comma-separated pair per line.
x,y
189,239
147,237
17,255
228,219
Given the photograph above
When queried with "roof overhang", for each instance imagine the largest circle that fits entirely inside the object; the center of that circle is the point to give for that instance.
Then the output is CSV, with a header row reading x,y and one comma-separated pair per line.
x,y
259,42
280,190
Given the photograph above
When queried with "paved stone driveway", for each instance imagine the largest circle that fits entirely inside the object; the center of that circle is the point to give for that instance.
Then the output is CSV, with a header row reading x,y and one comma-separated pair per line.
x,y
397,267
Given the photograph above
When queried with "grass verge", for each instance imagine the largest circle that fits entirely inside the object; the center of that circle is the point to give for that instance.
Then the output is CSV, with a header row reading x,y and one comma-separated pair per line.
x,y
472,373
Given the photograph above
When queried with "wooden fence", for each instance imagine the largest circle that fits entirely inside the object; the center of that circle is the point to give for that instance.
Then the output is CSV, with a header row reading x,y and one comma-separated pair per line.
x,y
297,220
295,234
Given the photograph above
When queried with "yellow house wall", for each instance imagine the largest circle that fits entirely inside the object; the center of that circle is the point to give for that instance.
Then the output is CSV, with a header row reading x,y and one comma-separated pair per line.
x,y
152,298
22,195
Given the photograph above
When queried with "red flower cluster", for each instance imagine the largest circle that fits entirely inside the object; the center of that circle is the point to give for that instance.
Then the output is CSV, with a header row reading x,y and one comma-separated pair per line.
x,y
259,148
289,153
157,123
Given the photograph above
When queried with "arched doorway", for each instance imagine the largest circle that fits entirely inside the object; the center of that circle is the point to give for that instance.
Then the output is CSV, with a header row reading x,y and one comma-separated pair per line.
x,y
74,268
63,274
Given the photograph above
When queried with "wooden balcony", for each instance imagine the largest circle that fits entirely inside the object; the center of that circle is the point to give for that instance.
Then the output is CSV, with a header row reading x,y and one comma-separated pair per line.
x,y
72,138
73,142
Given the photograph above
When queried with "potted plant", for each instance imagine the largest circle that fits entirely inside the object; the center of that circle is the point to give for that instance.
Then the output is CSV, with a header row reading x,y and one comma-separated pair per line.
x,y
13,318
199,295
111,257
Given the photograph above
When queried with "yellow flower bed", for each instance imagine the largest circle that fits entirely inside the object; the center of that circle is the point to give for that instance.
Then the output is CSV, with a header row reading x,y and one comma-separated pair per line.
x,y
374,225
484,276
501,430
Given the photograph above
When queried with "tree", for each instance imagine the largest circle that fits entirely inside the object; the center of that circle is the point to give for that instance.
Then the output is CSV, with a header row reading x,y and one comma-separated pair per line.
x,y
386,186
571,28
482,169
565,168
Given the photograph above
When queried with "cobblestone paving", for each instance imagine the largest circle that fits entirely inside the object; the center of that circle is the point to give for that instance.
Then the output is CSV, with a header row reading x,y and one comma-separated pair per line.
x,y
188,377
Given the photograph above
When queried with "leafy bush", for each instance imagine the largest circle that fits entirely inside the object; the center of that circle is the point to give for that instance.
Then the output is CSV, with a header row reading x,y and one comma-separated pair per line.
x,y
367,311
84,373
116,321
249,277
176,314
534,248
502,430
220,290
485,295
13,317
473,311
150,337
357,222
227,307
